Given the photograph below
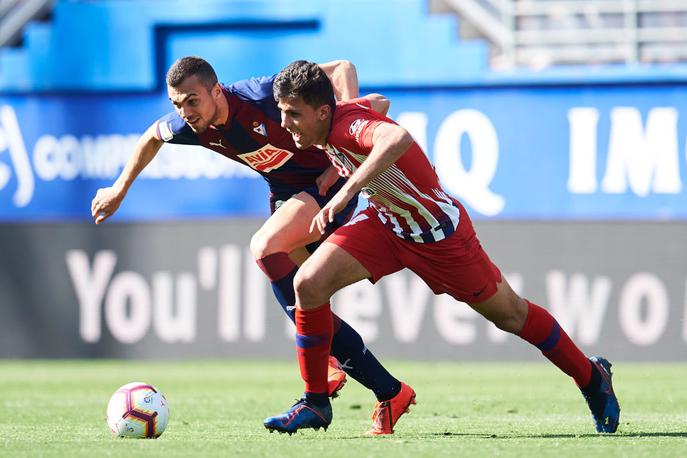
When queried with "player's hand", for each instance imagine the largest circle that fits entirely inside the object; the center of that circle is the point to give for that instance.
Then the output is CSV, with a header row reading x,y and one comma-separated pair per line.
x,y
105,203
326,215
326,180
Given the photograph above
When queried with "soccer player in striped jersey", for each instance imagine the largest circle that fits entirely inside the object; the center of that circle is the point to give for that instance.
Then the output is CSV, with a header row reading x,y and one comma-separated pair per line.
x,y
242,122
410,223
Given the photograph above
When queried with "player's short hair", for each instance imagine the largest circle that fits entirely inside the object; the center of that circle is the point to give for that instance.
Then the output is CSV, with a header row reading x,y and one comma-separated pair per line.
x,y
188,66
306,80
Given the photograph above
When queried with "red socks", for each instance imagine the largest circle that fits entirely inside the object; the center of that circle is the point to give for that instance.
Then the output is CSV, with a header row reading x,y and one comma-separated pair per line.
x,y
276,266
543,331
314,329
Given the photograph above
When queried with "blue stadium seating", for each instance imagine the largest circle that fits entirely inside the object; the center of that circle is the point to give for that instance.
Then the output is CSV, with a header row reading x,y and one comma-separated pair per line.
x,y
126,45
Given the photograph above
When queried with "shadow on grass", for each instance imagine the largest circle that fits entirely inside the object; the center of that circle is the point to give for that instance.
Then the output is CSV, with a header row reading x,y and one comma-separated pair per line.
x,y
619,434
415,436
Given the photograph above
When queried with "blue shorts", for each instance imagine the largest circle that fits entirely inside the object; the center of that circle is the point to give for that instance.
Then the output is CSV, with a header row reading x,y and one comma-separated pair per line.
x,y
340,219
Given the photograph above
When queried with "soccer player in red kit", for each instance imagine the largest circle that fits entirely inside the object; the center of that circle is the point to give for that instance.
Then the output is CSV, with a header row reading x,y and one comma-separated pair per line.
x,y
241,121
410,223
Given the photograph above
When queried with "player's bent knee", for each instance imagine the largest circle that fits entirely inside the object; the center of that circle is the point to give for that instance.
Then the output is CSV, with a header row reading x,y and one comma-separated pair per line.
x,y
262,244
513,318
309,289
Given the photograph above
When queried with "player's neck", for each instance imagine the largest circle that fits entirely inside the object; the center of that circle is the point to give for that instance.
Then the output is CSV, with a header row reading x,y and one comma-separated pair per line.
x,y
222,112
326,128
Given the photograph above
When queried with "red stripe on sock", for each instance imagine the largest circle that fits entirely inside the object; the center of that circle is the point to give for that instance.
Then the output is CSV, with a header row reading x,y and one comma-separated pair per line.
x,y
276,266
313,360
565,354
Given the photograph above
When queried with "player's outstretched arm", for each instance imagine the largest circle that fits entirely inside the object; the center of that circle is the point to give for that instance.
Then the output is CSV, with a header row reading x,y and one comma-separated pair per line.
x,y
107,200
344,78
389,143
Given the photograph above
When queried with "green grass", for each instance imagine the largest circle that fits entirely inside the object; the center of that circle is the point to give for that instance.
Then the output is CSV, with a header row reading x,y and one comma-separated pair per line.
x,y
57,408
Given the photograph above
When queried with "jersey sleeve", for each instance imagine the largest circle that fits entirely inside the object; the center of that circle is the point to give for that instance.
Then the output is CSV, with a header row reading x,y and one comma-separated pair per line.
x,y
171,128
359,126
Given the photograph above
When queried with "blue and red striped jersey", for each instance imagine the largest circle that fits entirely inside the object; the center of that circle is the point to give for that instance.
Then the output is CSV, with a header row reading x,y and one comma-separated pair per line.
x,y
253,136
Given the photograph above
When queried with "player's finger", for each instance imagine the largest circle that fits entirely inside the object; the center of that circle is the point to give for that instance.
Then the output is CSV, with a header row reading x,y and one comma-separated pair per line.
x,y
95,208
331,215
313,224
94,204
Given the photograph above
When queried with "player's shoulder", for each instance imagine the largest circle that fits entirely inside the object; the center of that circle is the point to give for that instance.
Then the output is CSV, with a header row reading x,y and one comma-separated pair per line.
x,y
353,116
252,89
172,128
253,95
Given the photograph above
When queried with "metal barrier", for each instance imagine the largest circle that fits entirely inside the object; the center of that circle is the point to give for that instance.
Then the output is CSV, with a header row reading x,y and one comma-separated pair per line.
x,y
539,33
15,14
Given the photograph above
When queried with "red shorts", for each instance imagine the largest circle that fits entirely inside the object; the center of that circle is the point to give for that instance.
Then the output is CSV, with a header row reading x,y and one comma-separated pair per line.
x,y
456,265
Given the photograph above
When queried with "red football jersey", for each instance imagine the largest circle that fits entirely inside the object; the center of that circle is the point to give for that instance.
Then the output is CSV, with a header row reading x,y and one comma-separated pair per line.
x,y
407,196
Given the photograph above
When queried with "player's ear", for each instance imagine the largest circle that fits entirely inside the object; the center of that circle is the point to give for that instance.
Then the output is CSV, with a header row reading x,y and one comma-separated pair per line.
x,y
324,112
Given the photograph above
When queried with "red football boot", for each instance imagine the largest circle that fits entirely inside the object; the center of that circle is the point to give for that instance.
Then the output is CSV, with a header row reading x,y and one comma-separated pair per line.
x,y
387,413
336,377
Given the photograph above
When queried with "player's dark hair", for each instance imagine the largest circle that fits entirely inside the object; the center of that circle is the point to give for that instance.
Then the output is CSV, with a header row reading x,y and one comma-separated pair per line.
x,y
188,66
306,80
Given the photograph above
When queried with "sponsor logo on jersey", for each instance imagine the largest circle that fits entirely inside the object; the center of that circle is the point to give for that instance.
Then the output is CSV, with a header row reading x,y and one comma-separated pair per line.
x,y
357,127
267,158
260,129
165,131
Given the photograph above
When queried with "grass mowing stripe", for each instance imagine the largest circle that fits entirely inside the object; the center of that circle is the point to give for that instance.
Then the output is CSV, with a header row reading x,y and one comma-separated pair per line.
x,y
57,408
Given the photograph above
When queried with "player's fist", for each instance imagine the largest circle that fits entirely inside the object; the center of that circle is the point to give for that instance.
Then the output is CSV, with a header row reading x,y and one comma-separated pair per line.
x,y
326,215
326,180
105,203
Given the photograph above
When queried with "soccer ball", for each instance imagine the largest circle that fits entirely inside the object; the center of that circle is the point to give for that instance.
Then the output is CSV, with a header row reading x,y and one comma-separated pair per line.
x,y
137,410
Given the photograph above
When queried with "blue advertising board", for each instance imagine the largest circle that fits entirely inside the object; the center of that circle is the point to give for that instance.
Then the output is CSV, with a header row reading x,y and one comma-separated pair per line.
x,y
590,152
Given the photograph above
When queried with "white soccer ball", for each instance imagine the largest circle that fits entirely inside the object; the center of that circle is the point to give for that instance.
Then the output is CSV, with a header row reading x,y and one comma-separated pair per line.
x,y
137,410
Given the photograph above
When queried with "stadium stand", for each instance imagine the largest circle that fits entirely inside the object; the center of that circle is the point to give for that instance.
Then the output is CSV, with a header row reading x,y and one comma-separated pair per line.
x,y
125,46
540,33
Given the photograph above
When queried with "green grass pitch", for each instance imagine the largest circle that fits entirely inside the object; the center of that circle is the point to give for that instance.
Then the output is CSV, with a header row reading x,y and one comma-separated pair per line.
x,y
57,408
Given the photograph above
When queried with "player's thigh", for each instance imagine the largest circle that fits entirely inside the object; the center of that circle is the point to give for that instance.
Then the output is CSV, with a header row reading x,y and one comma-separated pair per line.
x,y
455,266
363,248
373,245
504,308
329,269
288,228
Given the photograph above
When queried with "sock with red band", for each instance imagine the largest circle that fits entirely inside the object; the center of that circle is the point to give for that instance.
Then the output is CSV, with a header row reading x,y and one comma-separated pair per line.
x,y
543,331
347,345
313,340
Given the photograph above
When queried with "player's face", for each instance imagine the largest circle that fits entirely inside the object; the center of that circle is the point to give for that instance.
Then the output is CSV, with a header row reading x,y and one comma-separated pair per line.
x,y
307,125
197,105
